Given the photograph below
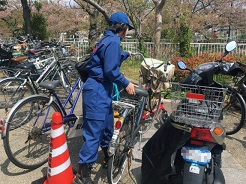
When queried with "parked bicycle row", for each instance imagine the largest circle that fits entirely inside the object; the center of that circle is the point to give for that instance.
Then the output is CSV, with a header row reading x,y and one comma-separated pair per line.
x,y
31,95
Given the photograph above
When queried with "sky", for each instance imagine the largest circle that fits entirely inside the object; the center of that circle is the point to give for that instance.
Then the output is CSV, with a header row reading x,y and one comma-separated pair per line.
x,y
66,1
63,1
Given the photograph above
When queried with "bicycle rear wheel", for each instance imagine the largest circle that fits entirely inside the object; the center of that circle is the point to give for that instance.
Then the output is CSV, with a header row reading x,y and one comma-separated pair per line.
x,y
26,142
117,162
233,112
11,91
152,113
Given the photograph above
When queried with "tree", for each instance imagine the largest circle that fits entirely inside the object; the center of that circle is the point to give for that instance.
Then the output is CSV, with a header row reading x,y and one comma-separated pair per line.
x,y
93,8
62,18
184,37
39,24
27,16
158,25
215,14
138,11
11,18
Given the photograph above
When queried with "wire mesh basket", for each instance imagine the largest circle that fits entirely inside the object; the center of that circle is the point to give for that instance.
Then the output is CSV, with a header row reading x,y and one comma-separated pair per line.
x,y
198,106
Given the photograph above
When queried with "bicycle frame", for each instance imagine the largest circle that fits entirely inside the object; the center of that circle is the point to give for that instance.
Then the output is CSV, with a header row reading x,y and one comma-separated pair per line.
x,y
50,68
46,126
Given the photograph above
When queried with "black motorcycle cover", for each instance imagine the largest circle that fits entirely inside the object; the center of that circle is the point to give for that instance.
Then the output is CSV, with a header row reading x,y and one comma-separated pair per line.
x,y
231,68
158,151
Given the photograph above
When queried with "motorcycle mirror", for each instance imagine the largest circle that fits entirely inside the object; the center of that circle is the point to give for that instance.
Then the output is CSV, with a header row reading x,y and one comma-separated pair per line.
x,y
231,46
182,65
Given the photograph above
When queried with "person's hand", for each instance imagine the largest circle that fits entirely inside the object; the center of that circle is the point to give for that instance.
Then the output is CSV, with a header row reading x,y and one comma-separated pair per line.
x,y
130,53
130,89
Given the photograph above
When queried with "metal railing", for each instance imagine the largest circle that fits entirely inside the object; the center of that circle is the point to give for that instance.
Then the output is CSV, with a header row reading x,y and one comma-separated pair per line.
x,y
168,50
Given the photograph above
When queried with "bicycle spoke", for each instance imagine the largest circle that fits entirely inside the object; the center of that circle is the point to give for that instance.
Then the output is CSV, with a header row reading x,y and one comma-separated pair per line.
x,y
29,132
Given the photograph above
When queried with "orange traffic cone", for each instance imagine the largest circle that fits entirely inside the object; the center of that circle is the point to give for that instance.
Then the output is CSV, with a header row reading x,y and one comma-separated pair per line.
x,y
59,164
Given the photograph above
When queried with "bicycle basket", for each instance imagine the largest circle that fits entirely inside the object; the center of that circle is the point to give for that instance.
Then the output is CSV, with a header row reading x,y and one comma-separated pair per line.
x,y
161,76
198,106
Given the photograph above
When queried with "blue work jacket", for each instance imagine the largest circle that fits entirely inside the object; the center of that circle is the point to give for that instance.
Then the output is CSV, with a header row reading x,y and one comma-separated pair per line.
x,y
106,61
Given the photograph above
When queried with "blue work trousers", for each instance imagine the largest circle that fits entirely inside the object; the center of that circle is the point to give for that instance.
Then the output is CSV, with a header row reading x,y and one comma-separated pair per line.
x,y
97,119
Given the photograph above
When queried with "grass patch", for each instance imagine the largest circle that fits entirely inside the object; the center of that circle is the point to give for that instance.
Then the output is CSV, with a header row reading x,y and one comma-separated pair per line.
x,y
130,69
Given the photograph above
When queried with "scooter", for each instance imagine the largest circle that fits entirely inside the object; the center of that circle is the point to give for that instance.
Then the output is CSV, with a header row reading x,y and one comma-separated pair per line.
x,y
188,146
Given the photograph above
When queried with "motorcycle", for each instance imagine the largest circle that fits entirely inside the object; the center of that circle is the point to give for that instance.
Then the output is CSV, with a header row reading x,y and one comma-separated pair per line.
x,y
188,146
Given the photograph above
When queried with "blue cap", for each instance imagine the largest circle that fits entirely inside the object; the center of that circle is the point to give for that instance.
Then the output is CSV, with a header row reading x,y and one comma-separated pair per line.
x,y
120,18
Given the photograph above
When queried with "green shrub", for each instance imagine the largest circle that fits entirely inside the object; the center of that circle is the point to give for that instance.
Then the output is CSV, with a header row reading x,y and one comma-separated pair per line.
x,y
184,38
192,63
39,26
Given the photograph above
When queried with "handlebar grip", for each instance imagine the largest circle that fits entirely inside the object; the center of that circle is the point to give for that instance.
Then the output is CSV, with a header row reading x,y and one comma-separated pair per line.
x,y
141,91
242,64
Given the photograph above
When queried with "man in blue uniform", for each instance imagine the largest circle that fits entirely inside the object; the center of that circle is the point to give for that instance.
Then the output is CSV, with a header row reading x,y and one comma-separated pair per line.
x,y
103,70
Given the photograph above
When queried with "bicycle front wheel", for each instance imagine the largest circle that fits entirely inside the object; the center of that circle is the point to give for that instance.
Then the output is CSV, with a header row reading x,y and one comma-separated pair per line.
x,y
152,113
27,137
117,162
233,112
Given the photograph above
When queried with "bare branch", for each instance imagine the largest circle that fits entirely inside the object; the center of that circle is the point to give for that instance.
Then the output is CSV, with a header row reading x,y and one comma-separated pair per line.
x,y
149,12
204,6
98,7
155,2
84,7
131,10
194,8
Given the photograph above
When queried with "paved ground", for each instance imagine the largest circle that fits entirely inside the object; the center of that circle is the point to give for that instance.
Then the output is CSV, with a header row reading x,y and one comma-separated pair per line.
x,y
233,170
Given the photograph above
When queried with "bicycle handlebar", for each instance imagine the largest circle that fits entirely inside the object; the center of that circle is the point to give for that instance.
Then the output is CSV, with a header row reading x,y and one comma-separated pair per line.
x,y
140,54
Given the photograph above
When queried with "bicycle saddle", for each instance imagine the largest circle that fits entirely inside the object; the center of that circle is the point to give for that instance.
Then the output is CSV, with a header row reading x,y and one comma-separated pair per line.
x,y
19,59
33,76
29,66
51,85
141,91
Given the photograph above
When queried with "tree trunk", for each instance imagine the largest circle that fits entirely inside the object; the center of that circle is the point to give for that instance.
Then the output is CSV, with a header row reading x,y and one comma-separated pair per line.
x,y
140,37
93,32
27,16
158,28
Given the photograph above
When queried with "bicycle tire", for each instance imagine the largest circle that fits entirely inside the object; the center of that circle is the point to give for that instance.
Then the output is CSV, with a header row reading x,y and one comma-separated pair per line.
x,y
15,151
153,104
119,159
237,107
12,90
6,72
67,86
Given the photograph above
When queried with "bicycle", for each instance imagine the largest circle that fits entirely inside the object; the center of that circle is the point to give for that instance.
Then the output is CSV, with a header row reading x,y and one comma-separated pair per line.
x,y
130,125
235,105
154,107
26,132
13,89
